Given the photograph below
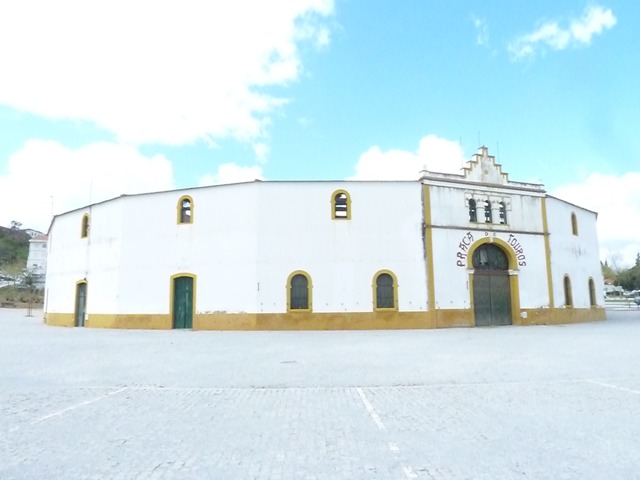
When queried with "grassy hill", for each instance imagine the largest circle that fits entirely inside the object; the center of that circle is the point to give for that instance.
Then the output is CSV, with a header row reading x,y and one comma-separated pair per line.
x,y
14,247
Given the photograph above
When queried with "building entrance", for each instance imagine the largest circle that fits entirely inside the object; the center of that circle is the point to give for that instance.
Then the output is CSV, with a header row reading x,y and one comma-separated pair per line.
x,y
81,303
183,302
491,286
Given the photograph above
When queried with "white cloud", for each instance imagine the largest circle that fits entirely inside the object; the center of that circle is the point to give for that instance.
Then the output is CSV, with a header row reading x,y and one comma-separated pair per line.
x,y
45,174
434,153
261,150
617,201
232,173
482,31
594,21
156,72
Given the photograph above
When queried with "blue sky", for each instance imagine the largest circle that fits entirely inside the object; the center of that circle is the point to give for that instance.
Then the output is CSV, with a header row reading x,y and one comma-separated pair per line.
x,y
103,98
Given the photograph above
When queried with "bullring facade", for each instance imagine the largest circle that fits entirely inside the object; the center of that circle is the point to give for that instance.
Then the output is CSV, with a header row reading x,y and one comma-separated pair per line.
x,y
445,250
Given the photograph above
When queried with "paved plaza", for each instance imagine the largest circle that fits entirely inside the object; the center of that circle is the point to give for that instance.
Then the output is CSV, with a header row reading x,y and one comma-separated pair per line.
x,y
543,402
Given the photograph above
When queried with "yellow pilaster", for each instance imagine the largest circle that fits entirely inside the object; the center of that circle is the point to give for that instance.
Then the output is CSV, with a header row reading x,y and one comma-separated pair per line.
x,y
428,240
547,252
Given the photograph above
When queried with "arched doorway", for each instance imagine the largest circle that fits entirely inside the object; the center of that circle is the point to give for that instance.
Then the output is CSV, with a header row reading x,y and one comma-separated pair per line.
x,y
491,287
81,303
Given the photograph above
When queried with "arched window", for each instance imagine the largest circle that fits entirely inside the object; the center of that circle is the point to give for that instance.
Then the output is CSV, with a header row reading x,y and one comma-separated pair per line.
x,y
574,224
568,298
487,212
385,291
473,214
185,210
592,293
503,213
490,257
341,205
84,229
299,292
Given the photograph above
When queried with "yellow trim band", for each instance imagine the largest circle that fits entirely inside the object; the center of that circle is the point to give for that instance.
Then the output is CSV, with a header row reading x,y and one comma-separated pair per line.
x,y
383,320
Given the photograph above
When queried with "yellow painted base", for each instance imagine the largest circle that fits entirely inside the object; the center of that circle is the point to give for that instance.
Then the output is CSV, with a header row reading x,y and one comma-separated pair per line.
x,y
139,321
314,321
59,319
454,318
326,321
555,316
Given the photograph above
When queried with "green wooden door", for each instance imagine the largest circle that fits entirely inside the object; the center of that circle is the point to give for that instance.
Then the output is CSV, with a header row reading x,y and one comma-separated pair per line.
x,y
81,304
183,302
482,299
500,299
491,286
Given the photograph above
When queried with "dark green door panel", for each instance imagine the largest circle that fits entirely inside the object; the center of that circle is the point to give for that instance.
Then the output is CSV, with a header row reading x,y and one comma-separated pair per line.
x,y
183,302
81,304
491,286
482,299
500,299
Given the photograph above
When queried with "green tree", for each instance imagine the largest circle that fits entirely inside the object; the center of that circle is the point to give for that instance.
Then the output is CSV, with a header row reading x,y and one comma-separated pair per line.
x,y
630,279
607,271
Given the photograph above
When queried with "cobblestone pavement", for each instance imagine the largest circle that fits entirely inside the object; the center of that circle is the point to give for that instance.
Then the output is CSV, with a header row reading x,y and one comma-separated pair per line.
x,y
547,402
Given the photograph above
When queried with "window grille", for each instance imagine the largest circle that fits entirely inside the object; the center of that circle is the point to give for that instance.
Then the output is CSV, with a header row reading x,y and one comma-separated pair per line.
x,y
299,293
385,291
487,212
473,214
503,213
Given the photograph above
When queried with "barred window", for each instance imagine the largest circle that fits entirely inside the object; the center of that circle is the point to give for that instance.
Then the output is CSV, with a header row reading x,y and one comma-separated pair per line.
x,y
385,291
341,205
503,213
299,292
473,214
487,212
185,210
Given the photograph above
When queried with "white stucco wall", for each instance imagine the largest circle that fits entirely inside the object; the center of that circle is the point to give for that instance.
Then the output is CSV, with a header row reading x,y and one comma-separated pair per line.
x,y
246,239
296,232
218,248
574,255
72,259
244,242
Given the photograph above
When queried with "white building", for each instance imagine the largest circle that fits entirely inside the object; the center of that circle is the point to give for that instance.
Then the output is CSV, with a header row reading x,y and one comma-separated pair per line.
x,y
445,250
37,259
31,232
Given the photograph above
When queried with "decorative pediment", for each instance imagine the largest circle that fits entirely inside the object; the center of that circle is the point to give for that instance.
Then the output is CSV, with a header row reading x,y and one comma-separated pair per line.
x,y
483,168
